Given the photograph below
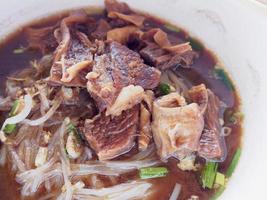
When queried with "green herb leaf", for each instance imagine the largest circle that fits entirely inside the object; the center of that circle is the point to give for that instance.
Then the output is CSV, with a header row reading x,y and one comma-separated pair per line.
x,y
220,73
153,172
218,193
195,44
234,162
172,27
164,89
9,128
208,174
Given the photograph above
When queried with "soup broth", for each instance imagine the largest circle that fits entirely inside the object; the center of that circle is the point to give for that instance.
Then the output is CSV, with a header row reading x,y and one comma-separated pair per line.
x,y
15,56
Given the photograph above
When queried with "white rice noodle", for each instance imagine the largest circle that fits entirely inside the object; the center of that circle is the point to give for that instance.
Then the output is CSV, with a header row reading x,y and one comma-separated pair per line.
x,y
178,82
176,192
47,186
111,168
28,103
14,167
82,158
32,179
64,160
67,195
3,155
56,103
5,103
43,99
86,155
124,191
149,152
169,77
52,122
20,151
48,196
115,168
28,157
39,134
130,165
22,133
16,160
55,138
65,165
88,169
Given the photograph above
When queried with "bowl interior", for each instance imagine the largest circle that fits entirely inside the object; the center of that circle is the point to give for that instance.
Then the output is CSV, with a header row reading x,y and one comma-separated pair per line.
x,y
235,30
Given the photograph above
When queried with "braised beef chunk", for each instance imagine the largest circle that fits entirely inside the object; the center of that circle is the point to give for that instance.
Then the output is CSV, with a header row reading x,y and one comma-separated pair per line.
x,y
212,144
157,50
117,68
73,56
163,59
121,15
131,68
115,6
121,35
112,136
101,30
42,39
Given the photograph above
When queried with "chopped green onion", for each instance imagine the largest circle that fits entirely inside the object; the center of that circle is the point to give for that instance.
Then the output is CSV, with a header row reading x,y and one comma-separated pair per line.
x,y
19,50
71,129
218,193
220,179
235,117
208,174
234,162
172,27
164,88
9,128
14,108
220,73
153,172
195,44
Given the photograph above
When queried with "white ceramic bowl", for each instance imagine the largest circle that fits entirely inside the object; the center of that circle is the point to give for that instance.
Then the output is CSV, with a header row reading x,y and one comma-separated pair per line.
x,y
235,30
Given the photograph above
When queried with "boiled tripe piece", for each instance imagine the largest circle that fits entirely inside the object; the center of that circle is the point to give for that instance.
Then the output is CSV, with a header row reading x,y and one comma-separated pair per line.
x,y
176,126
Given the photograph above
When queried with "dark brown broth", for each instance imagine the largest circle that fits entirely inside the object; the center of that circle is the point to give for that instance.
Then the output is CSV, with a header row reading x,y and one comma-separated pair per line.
x,y
200,72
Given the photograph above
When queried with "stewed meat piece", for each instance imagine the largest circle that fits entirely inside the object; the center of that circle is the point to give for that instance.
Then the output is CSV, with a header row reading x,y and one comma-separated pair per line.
x,y
176,126
117,68
73,57
112,136
212,144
